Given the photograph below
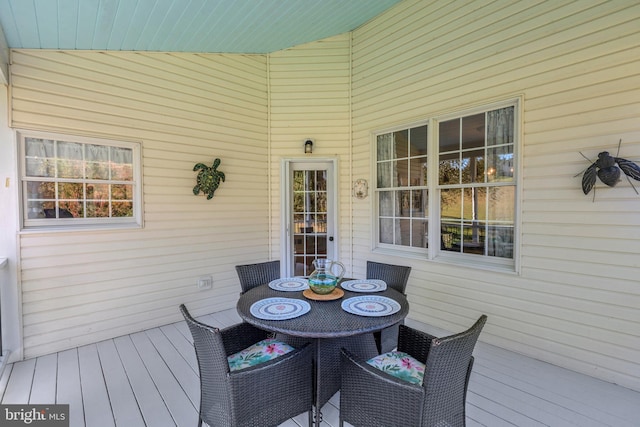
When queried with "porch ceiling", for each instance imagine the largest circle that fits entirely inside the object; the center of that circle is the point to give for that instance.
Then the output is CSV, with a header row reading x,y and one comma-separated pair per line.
x,y
216,26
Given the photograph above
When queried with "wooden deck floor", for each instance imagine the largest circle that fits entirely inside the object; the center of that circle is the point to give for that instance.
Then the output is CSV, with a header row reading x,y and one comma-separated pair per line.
x,y
150,379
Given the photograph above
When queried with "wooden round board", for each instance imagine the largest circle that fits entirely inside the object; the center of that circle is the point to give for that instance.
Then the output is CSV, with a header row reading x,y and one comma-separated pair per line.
x,y
337,293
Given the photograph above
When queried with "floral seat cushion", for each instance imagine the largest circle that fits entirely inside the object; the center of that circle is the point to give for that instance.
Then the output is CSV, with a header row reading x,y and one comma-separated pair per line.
x,y
260,352
400,365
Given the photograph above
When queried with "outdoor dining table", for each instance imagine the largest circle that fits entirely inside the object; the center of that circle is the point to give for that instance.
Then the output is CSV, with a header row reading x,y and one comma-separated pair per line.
x,y
330,328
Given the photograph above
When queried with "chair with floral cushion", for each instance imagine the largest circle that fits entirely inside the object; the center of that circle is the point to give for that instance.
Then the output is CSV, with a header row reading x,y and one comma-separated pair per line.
x,y
396,277
247,378
252,275
421,384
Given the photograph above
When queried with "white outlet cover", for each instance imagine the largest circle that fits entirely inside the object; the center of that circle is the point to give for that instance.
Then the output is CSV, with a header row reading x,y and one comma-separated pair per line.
x,y
205,282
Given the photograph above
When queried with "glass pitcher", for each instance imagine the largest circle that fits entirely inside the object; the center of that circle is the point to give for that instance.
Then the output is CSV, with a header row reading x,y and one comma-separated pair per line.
x,y
324,279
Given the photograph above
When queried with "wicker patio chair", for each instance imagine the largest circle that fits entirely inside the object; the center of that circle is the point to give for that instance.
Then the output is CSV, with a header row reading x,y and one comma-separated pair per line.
x,y
373,398
396,277
266,394
252,275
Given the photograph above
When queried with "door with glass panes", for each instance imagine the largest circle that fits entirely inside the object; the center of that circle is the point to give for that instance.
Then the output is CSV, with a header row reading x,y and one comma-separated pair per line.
x,y
310,206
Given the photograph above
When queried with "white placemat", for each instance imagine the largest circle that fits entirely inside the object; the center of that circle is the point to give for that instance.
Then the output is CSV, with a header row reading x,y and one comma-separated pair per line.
x,y
289,284
364,285
279,308
370,305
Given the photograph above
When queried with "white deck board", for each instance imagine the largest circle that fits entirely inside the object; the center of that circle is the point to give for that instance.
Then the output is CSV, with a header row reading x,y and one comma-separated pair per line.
x,y
150,378
4,379
123,401
69,389
548,390
184,413
20,382
43,390
151,404
95,397
184,374
182,345
525,406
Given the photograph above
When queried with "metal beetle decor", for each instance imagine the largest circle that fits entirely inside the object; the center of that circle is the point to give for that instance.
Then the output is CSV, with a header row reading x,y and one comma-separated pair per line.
x,y
608,168
208,178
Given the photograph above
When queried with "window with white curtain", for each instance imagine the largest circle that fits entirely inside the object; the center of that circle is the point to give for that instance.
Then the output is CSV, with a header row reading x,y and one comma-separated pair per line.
x,y
402,187
70,181
447,187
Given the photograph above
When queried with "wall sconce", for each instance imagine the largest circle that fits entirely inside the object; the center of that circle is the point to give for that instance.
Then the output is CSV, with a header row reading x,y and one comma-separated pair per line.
x,y
308,146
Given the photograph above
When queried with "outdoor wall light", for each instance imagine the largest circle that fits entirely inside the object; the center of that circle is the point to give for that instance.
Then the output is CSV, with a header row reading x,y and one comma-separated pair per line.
x,y
308,146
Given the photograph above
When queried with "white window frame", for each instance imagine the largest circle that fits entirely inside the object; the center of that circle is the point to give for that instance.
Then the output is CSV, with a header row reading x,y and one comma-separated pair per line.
x,y
44,224
389,248
433,252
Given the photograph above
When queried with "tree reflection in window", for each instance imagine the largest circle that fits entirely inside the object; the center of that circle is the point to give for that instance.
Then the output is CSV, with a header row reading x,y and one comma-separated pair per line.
x,y
66,179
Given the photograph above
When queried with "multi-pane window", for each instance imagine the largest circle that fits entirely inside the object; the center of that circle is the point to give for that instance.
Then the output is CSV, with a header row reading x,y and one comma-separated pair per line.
x,y
402,187
68,181
472,185
477,183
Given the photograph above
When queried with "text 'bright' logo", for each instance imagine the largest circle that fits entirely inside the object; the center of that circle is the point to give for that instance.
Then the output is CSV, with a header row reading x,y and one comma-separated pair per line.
x,y
34,415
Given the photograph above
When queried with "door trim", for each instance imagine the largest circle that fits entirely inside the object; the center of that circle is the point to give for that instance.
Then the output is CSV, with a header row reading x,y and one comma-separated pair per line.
x,y
286,247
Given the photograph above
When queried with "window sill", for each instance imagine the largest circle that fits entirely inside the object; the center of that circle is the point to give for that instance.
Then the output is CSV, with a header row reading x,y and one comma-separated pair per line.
x,y
457,260
80,228
403,253
471,261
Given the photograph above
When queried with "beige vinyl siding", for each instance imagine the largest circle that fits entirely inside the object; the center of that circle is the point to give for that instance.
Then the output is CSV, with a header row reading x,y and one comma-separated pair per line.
x,y
83,286
309,98
575,301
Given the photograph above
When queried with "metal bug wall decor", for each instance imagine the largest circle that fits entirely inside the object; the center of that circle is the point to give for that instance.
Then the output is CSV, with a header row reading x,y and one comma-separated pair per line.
x,y
607,168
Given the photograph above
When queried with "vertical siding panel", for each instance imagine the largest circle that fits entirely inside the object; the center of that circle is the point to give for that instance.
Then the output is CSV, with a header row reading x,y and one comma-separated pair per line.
x,y
309,98
576,65
82,286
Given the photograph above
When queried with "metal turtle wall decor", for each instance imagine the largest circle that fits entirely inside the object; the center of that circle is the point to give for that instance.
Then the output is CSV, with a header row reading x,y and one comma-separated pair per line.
x,y
607,168
208,178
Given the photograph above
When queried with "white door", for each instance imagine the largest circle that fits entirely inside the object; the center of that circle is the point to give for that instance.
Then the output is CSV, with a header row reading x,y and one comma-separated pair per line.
x,y
309,207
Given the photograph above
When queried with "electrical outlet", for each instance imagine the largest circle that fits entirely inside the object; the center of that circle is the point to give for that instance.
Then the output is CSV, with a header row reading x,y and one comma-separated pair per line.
x,y
205,283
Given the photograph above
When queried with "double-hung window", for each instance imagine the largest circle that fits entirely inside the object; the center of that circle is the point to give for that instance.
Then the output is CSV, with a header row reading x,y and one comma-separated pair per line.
x,y
447,187
402,187
72,181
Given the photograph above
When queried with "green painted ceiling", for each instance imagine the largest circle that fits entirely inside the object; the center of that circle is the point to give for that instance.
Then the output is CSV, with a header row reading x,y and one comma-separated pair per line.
x,y
230,26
